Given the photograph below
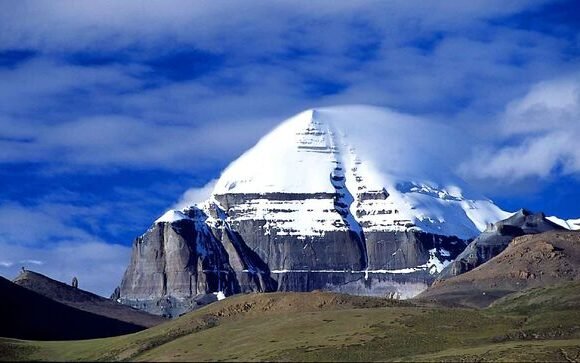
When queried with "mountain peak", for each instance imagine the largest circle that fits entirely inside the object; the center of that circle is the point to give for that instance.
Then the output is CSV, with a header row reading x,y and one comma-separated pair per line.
x,y
359,151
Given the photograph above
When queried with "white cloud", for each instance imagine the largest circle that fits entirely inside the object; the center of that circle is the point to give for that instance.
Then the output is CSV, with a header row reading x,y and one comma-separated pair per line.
x,y
195,195
552,105
35,226
67,25
540,134
110,141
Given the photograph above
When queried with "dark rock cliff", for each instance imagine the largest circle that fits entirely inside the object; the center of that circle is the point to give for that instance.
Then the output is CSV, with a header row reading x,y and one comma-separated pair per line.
x,y
179,265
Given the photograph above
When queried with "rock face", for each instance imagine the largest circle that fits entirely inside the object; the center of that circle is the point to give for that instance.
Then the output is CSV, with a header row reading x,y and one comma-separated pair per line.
x,y
319,203
496,238
177,266
174,262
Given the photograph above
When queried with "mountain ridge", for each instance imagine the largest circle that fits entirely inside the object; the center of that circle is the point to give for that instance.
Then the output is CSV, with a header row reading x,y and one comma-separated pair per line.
x,y
495,238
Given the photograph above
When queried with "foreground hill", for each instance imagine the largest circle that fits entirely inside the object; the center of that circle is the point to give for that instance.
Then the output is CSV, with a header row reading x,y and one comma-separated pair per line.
x,y
541,324
84,300
528,261
25,314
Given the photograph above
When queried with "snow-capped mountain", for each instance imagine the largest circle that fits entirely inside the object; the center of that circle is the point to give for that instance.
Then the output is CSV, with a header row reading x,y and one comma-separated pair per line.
x,y
355,198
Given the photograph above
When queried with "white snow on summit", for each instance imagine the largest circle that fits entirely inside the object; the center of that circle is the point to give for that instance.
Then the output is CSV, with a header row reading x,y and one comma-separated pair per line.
x,y
403,163
299,154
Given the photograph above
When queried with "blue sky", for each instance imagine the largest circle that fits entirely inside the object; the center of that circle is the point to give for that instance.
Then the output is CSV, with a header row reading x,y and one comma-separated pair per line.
x,y
110,111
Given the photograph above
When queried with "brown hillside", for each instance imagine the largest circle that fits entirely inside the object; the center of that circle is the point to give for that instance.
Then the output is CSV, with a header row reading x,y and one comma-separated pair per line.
x,y
529,261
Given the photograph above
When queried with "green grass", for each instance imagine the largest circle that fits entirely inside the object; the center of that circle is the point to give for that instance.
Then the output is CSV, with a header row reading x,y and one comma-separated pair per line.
x,y
540,324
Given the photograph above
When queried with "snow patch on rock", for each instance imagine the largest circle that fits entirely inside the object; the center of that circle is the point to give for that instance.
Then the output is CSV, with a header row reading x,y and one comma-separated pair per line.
x,y
571,224
171,216
220,295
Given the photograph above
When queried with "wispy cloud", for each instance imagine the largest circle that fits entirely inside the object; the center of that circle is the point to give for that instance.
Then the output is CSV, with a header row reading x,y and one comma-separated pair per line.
x,y
32,262
537,135
112,25
48,238
195,195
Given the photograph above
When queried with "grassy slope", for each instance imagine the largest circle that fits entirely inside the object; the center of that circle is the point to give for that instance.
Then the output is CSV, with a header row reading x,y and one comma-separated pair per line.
x,y
541,324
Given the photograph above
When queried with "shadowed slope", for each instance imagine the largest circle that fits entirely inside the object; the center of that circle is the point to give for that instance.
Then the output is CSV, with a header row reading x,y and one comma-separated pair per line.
x,y
84,300
25,314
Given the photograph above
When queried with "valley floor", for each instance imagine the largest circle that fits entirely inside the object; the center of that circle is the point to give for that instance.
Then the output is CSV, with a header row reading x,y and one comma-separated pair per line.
x,y
537,325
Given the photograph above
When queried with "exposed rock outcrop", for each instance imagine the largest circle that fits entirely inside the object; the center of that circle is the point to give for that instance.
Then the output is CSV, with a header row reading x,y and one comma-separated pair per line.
x,y
167,265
